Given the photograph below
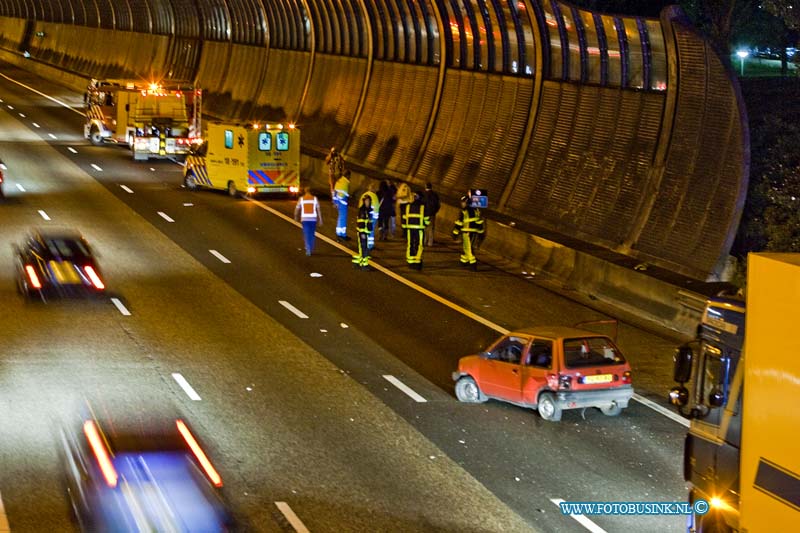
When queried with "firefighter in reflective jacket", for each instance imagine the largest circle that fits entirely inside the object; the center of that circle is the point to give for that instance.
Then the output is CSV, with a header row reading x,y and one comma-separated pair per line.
x,y
364,227
470,226
414,220
375,203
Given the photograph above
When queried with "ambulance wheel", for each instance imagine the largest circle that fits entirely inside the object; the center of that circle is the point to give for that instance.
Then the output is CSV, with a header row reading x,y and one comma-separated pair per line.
x,y
190,181
232,189
94,136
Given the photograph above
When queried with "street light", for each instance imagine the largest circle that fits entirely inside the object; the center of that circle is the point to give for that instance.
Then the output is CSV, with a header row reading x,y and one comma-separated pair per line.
x,y
742,54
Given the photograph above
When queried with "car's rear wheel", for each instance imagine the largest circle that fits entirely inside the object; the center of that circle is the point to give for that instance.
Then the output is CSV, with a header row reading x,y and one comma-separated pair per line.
x,y
232,189
190,181
468,391
548,408
612,410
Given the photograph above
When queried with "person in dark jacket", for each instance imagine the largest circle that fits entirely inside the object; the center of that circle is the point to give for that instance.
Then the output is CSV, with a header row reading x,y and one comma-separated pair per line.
x,y
432,205
386,210
364,229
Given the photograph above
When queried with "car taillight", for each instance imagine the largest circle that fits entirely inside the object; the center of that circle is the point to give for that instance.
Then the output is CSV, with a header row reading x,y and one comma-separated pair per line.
x,y
100,453
198,452
95,279
564,382
32,277
626,376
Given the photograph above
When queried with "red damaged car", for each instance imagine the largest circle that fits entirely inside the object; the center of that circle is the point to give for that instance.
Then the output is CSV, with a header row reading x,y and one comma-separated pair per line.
x,y
549,369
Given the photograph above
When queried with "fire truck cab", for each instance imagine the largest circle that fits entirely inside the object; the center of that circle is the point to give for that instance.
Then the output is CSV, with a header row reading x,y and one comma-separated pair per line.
x,y
251,159
154,120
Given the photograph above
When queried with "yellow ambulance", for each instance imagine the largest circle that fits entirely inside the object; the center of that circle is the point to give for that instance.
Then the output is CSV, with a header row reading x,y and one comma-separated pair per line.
x,y
255,159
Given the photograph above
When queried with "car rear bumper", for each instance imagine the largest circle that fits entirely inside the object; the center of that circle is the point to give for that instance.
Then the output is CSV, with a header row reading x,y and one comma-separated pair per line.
x,y
595,398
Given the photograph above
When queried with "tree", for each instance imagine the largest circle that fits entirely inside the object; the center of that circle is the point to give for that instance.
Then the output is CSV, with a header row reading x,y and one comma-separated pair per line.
x,y
789,12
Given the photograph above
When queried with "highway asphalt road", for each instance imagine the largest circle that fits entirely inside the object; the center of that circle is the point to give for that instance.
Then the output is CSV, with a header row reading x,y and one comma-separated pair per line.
x,y
295,359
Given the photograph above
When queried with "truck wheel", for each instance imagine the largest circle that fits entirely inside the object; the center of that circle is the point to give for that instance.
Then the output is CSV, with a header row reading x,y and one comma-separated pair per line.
x,y
190,181
94,136
612,410
467,391
232,189
548,408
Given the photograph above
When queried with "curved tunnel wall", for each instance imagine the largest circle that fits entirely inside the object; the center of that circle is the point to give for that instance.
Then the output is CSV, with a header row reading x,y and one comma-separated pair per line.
x,y
622,132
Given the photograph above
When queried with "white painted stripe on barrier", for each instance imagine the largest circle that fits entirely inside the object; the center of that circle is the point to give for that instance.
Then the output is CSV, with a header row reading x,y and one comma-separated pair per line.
x,y
44,215
293,309
120,306
582,520
126,189
294,521
97,168
190,392
165,216
661,409
220,256
405,388
4,527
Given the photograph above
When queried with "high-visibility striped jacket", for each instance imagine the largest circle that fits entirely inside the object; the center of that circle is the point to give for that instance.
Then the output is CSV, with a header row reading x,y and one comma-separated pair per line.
x,y
364,219
470,221
413,215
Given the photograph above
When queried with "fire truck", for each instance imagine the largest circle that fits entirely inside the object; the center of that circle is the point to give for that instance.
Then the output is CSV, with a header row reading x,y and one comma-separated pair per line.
x,y
740,459
154,120
251,159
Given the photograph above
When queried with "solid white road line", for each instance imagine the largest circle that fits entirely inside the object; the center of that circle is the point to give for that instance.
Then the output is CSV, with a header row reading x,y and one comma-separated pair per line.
x,y
4,528
294,521
663,410
52,136
44,215
582,520
466,312
405,388
165,216
96,168
119,305
71,149
20,187
59,102
220,256
293,309
126,189
186,387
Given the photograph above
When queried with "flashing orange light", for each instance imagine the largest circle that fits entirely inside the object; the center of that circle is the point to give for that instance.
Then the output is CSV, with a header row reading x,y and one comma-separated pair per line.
x,y
96,281
291,126
100,453
198,452
154,87
34,279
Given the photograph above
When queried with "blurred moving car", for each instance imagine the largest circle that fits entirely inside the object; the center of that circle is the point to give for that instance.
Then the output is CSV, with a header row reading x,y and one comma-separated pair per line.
x,y
549,369
57,262
127,477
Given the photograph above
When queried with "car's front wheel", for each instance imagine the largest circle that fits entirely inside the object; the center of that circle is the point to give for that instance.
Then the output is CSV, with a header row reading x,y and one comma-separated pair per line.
x,y
612,410
95,137
548,408
468,391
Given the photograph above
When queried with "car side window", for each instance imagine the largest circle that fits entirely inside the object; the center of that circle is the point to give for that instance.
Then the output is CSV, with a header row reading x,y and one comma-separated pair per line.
x,y
541,354
509,350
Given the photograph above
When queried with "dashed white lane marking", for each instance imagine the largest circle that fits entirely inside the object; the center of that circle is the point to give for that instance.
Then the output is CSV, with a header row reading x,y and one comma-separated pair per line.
x,y
190,392
293,309
44,215
52,136
119,305
663,410
220,256
22,115
582,520
97,168
165,216
188,204
293,519
10,106
152,169
4,528
405,388
20,187
466,312
35,125
3,166
71,149
126,189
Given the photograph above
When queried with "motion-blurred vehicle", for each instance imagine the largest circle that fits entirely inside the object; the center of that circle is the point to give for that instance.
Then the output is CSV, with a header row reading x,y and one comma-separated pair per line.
x,y
125,476
2,166
57,263
549,369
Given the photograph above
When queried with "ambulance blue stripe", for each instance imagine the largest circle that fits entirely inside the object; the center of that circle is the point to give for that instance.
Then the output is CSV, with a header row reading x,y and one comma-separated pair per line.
x,y
259,176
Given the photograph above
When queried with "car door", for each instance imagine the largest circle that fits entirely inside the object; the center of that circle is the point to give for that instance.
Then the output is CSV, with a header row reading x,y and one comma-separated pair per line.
x,y
501,371
537,364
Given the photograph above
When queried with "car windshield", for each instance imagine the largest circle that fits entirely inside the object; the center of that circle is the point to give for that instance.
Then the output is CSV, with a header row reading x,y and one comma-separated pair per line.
x,y
591,351
67,248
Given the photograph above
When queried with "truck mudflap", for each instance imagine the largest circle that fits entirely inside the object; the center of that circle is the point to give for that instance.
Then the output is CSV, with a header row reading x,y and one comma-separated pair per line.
x,y
595,398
